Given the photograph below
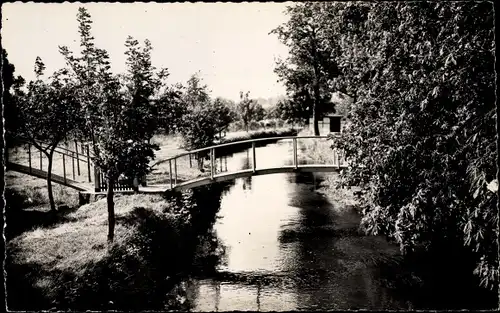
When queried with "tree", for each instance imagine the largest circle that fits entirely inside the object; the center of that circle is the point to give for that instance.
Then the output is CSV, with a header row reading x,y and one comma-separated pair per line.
x,y
143,84
423,122
295,112
171,110
117,116
271,112
311,66
249,110
196,94
203,117
225,113
10,109
49,113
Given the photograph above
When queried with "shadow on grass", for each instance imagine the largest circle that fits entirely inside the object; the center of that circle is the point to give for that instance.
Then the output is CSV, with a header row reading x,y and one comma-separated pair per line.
x,y
27,211
165,245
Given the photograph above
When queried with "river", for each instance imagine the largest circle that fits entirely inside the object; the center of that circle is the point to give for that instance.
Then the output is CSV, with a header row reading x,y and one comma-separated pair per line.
x,y
288,247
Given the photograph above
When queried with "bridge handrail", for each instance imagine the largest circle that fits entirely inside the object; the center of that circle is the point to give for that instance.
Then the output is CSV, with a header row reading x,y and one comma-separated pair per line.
x,y
60,150
237,143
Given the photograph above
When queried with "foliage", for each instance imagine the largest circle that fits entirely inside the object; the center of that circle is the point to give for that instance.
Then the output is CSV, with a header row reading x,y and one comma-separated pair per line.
x,y
271,112
312,62
295,112
49,112
249,110
203,117
171,110
118,110
423,122
142,83
10,109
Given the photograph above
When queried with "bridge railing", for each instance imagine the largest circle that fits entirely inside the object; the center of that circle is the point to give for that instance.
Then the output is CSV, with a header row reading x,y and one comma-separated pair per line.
x,y
67,165
74,162
213,160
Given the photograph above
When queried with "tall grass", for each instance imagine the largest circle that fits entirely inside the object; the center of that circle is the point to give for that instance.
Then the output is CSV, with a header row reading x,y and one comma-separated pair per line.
x,y
321,152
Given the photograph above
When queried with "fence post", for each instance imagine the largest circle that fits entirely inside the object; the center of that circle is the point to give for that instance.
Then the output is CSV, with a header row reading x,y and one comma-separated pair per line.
x,y
170,173
88,163
190,163
77,158
253,157
29,156
41,165
295,161
212,163
175,171
64,168
73,163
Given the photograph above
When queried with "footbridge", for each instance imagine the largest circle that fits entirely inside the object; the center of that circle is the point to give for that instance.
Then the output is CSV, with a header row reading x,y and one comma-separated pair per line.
x,y
73,166
211,162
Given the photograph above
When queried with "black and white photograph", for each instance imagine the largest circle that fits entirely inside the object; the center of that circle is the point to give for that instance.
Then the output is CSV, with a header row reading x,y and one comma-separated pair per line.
x,y
250,156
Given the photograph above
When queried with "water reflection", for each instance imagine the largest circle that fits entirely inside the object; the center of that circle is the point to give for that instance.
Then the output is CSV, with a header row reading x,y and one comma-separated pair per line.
x,y
289,248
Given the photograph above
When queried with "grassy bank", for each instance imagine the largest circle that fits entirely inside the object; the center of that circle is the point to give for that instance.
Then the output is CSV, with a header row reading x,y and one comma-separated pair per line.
x,y
27,203
320,152
70,265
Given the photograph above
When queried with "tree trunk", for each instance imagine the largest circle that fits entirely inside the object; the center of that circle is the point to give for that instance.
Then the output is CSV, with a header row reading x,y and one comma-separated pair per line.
x,y
315,119
317,93
111,208
49,181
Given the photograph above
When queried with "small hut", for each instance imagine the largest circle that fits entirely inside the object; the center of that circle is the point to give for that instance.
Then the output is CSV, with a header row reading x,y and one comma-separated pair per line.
x,y
333,113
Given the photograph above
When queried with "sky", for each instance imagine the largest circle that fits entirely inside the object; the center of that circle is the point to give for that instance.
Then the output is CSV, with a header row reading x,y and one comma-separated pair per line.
x,y
228,43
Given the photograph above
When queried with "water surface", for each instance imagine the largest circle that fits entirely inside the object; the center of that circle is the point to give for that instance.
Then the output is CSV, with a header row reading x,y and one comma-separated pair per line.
x,y
290,248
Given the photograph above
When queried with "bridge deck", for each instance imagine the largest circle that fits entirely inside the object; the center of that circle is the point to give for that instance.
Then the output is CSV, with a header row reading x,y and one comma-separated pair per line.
x,y
42,174
265,171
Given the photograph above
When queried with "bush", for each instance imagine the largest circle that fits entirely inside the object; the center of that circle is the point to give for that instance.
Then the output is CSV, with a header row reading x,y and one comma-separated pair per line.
x,y
423,123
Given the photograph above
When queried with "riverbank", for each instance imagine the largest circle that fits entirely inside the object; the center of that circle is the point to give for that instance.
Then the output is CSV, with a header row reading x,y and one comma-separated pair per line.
x,y
320,152
71,266
256,134
426,279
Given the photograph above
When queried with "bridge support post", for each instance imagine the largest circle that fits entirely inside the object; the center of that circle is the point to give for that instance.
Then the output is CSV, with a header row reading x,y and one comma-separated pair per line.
x,y
29,156
64,169
212,154
83,198
175,171
254,165
77,158
73,165
170,173
295,160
